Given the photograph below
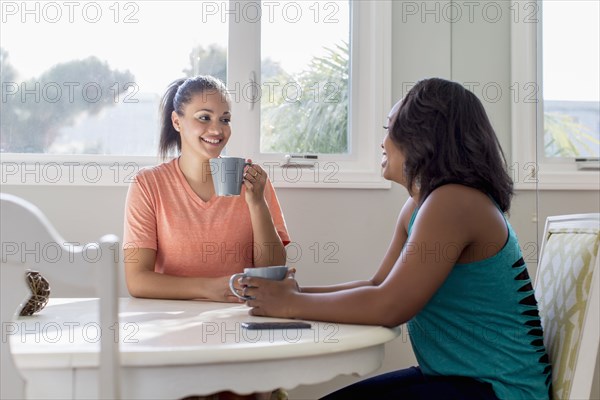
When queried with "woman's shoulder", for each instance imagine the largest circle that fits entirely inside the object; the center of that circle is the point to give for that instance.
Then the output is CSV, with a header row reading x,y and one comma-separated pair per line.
x,y
459,195
156,172
459,202
407,212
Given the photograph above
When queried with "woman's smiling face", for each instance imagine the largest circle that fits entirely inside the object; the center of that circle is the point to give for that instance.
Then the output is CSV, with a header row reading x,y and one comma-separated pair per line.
x,y
393,158
204,126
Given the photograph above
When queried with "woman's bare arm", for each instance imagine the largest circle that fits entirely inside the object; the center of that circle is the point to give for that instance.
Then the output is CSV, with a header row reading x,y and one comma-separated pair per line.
x,y
444,221
268,247
142,281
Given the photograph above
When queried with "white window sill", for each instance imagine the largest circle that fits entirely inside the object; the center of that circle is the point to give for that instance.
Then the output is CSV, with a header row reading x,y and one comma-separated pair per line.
x,y
43,169
560,180
37,169
326,177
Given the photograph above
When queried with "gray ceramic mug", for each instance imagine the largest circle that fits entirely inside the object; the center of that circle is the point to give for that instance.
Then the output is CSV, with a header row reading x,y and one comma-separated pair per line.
x,y
228,175
276,273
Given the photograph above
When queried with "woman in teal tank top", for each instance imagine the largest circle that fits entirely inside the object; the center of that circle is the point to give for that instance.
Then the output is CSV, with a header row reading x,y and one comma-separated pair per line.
x,y
453,270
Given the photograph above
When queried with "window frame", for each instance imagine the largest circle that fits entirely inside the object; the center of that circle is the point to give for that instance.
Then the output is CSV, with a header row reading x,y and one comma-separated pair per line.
x,y
532,170
370,93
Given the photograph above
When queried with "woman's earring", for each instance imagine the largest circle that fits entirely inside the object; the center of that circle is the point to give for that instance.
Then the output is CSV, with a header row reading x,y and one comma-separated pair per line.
x,y
418,182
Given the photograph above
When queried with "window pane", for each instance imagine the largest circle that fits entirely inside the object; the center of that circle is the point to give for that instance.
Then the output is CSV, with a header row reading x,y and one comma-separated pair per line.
x,y
86,77
305,70
570,78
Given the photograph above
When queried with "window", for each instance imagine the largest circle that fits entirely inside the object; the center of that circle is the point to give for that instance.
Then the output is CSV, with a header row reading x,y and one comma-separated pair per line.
x,y
305,107
571,80
86,111
323,87
86,77
555,53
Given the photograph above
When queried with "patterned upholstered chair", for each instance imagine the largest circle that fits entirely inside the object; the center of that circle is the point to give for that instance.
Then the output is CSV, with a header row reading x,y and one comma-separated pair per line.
x,y
567,289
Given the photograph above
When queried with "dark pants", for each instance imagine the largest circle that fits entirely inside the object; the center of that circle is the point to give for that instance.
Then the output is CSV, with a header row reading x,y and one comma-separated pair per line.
x,y
410,383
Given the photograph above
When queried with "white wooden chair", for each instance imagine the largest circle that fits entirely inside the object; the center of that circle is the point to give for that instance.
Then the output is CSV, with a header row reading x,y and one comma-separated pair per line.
x,y
567,288
30,242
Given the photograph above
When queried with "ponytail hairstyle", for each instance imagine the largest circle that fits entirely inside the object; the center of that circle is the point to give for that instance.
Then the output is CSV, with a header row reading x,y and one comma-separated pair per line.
x,y
178,94
446,137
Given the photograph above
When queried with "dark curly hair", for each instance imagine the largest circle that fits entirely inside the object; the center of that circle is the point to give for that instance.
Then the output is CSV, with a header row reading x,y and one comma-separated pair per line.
x,y
178,94
446,137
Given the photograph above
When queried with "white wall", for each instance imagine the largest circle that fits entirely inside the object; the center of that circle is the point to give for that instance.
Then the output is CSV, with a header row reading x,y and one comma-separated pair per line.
x,y
358,223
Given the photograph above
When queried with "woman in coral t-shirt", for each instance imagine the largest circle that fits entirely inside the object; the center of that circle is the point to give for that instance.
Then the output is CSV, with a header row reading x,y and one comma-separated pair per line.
x,y
181,241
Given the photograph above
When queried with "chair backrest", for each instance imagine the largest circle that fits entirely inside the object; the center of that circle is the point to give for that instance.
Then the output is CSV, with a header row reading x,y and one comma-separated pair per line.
x,y
567,289
30,242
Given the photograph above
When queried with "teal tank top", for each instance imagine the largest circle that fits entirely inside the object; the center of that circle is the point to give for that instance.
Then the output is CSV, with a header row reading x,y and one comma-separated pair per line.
x,y
483,323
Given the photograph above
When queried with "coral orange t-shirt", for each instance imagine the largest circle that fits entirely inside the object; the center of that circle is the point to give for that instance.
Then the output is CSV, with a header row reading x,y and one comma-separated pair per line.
x,y
192,237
